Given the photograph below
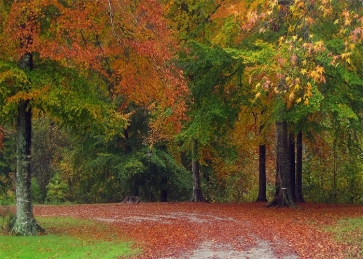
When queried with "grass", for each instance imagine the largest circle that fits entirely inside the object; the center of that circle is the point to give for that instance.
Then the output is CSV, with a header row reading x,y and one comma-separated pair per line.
x,y
67,238
350,232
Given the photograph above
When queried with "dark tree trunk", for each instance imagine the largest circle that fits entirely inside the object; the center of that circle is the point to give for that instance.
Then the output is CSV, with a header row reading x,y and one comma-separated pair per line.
x,y
25,224
292,162
262,174
164,189
197,195
298,186
283,195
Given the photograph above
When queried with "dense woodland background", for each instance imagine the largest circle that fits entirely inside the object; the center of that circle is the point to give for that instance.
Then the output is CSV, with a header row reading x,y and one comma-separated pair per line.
x,y
136,98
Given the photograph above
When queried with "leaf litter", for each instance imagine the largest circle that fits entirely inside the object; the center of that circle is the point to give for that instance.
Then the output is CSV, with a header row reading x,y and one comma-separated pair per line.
x,y
209,230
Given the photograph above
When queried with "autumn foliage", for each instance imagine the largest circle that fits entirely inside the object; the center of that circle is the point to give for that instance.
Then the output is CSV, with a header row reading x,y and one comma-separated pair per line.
x,y
128,44
173,229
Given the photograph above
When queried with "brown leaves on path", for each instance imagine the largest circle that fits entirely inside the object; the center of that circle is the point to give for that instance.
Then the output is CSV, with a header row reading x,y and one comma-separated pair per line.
x,y
170,229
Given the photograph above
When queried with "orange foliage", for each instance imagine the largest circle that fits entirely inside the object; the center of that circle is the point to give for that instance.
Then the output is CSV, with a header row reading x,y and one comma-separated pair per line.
x,y
129,43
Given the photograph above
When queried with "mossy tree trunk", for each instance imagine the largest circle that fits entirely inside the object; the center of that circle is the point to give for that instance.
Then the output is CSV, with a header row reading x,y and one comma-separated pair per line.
x,y
25,224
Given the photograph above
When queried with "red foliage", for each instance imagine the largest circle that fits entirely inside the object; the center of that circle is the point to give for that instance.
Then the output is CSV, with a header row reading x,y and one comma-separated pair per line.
x,y
169,229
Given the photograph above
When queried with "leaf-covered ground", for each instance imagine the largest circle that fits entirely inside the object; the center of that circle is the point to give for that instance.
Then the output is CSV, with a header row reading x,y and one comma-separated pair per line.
x,y
177,230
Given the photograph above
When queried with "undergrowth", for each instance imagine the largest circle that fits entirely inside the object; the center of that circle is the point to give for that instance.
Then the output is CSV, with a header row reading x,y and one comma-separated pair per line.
x,y
7,217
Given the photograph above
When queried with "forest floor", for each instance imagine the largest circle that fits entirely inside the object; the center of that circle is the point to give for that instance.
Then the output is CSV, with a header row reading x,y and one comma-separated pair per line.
x,y
209,230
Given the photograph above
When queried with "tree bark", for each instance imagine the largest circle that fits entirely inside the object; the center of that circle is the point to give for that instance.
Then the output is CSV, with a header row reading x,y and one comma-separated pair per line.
x,y
292,162
197,195
283,195
164,189
25,224
262,174
298,181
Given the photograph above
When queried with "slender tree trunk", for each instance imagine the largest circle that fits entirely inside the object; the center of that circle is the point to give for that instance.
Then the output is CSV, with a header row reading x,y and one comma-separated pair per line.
x,y
164,188
283,195
298,181
25,224
262,174
292,162
197,195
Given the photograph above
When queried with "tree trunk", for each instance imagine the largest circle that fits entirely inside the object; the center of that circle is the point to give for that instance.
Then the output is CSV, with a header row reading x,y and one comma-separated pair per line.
x,y
164,188
262,174
25,224
292,162
298,181
197,195
283,195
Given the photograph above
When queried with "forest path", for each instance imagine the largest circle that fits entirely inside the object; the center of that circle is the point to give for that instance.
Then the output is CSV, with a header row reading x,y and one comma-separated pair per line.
x,y
206,230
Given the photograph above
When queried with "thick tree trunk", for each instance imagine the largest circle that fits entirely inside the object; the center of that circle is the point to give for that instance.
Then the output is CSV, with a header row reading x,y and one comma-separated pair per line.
x,y
298,181
25,224
197,195
262,174
283,195
292,162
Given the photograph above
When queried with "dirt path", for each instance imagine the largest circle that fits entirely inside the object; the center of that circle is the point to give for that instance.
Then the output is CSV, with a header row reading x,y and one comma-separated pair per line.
x,y
190,230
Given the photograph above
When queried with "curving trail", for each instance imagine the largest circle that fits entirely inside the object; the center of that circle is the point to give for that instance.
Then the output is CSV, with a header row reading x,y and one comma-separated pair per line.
x,y
205,230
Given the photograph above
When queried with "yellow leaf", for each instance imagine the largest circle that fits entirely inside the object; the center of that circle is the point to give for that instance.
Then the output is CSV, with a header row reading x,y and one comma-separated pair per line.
x,y
303,71
291,96
306,102
336,21
298,100
257,95
304,62
320,70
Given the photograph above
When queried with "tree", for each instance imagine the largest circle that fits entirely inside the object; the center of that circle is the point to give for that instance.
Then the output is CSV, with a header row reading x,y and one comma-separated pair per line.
x,y
297,68
50,66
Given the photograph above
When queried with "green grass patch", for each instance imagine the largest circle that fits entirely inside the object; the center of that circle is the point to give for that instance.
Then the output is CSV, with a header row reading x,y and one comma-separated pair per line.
x,y
350,232
67,238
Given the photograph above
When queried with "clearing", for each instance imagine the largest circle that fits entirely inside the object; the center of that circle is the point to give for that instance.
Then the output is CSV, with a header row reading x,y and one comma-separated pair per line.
x,y
209,230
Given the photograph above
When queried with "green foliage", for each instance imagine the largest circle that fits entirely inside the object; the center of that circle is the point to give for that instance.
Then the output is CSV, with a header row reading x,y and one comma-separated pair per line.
x,y
216,90
7,158
57,190
36,192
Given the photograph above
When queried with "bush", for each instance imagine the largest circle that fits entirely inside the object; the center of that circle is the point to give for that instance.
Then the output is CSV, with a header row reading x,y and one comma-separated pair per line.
x,y
57,191
7,217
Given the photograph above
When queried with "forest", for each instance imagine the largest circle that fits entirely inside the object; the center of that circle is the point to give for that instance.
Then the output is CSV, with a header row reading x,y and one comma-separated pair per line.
x,y
222,101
